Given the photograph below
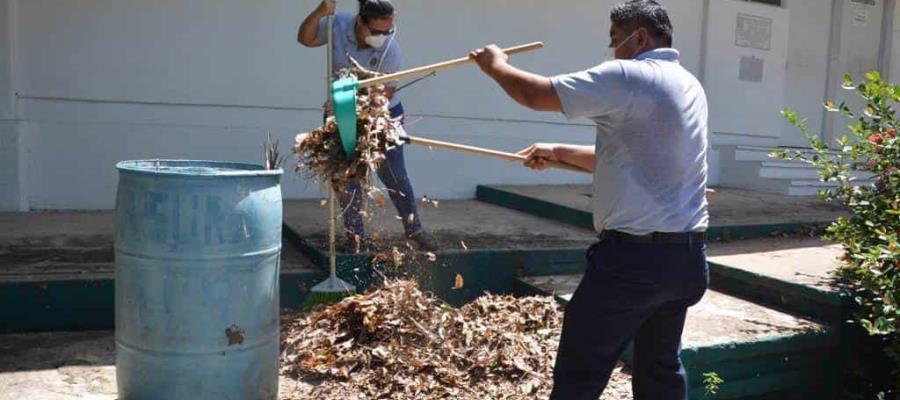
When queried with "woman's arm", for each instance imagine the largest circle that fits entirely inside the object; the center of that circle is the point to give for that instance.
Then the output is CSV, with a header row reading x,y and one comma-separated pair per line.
x,y
308,34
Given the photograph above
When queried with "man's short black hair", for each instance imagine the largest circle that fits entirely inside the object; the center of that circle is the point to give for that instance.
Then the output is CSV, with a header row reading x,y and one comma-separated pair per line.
x,y
647,14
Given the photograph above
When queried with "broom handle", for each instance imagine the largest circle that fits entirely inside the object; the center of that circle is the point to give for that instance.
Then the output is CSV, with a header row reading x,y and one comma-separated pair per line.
x,y
484,152
332,206
440,66
329,60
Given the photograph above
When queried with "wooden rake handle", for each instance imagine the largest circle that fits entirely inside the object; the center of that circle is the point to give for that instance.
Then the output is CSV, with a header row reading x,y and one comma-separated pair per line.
x,y
461,148
440,66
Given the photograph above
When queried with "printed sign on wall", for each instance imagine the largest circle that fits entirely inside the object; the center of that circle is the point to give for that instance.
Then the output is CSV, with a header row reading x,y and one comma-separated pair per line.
x,y
753,31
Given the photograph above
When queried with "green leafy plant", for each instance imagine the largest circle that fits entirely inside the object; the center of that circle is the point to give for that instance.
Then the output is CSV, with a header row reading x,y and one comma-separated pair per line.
x,y
864,167
712,381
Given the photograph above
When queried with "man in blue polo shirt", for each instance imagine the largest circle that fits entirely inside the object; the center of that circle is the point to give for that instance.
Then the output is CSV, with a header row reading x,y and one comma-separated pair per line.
x,y
649,204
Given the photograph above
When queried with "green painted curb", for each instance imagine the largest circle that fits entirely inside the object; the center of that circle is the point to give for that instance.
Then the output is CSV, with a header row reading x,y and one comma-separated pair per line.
x,y
738,232
483,270
775,344
89,304
583,219
748,368
767,384
64,305
534,206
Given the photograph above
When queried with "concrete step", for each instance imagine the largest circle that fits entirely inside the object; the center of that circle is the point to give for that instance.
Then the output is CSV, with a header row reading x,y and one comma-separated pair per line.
x,y
749,153
757,153
758,351
793,274
808,187
794,170
751,167
787,173
729,139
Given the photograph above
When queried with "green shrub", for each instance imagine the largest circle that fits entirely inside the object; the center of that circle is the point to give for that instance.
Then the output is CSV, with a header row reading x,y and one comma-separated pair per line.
x,y
869,234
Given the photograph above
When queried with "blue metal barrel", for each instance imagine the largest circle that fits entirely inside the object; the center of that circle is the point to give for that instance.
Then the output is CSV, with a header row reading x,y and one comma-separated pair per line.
x,y
197,262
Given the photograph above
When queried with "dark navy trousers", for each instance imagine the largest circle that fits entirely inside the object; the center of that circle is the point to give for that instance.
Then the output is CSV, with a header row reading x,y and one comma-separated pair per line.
x,y
630,291
392,174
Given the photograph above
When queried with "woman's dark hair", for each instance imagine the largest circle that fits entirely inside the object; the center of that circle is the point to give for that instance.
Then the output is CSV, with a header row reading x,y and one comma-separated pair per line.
x,y
375,9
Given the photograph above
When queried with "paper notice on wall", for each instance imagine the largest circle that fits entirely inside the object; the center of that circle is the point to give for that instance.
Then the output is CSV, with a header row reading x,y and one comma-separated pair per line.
x,y
860,18
751,69
753,31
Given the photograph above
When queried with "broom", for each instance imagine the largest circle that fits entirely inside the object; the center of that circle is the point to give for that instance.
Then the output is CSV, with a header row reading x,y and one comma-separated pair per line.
x,y
333,289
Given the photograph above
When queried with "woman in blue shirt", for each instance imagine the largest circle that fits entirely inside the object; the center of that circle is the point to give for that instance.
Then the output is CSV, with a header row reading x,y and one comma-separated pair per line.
x,y
370,38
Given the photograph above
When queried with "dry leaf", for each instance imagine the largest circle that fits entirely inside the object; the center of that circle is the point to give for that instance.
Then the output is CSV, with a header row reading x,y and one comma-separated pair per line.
x,y
380,199
397,256
321,155
434,203
357,242
458,282
400,343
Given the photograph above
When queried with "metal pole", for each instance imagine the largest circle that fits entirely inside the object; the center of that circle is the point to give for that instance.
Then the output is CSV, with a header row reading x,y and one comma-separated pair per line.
x,y
332,207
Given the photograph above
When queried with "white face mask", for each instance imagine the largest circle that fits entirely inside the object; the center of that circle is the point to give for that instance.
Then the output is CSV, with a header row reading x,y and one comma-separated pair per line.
x,y
611,55
376,41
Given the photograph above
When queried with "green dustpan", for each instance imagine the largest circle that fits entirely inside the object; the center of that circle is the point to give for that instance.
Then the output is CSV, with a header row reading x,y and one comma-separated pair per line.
x,y
343,94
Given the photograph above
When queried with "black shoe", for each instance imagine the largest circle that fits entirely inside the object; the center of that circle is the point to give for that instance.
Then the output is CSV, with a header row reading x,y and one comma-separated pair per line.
x,y
423,241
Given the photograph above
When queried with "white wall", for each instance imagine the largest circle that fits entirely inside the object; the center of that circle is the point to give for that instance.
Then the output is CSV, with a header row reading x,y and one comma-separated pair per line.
x,y
6,51
11,197
894,71
101,81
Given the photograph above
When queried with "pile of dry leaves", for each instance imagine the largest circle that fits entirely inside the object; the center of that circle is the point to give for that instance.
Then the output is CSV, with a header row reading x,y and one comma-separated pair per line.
x,y
400,343
321,154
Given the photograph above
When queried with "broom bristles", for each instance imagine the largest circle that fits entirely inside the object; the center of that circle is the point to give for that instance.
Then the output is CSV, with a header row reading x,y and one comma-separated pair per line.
x,y
329,291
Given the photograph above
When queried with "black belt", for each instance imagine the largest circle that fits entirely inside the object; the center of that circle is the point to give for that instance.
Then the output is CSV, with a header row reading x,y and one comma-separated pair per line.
x,y
655,237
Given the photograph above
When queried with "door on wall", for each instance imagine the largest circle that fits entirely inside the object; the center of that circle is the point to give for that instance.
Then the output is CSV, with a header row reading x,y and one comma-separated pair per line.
x,y
745,67
854,51
809,40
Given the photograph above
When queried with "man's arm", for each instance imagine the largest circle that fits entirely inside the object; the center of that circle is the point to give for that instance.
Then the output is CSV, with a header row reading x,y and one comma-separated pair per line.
x,y
530,90
308,34
579,156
